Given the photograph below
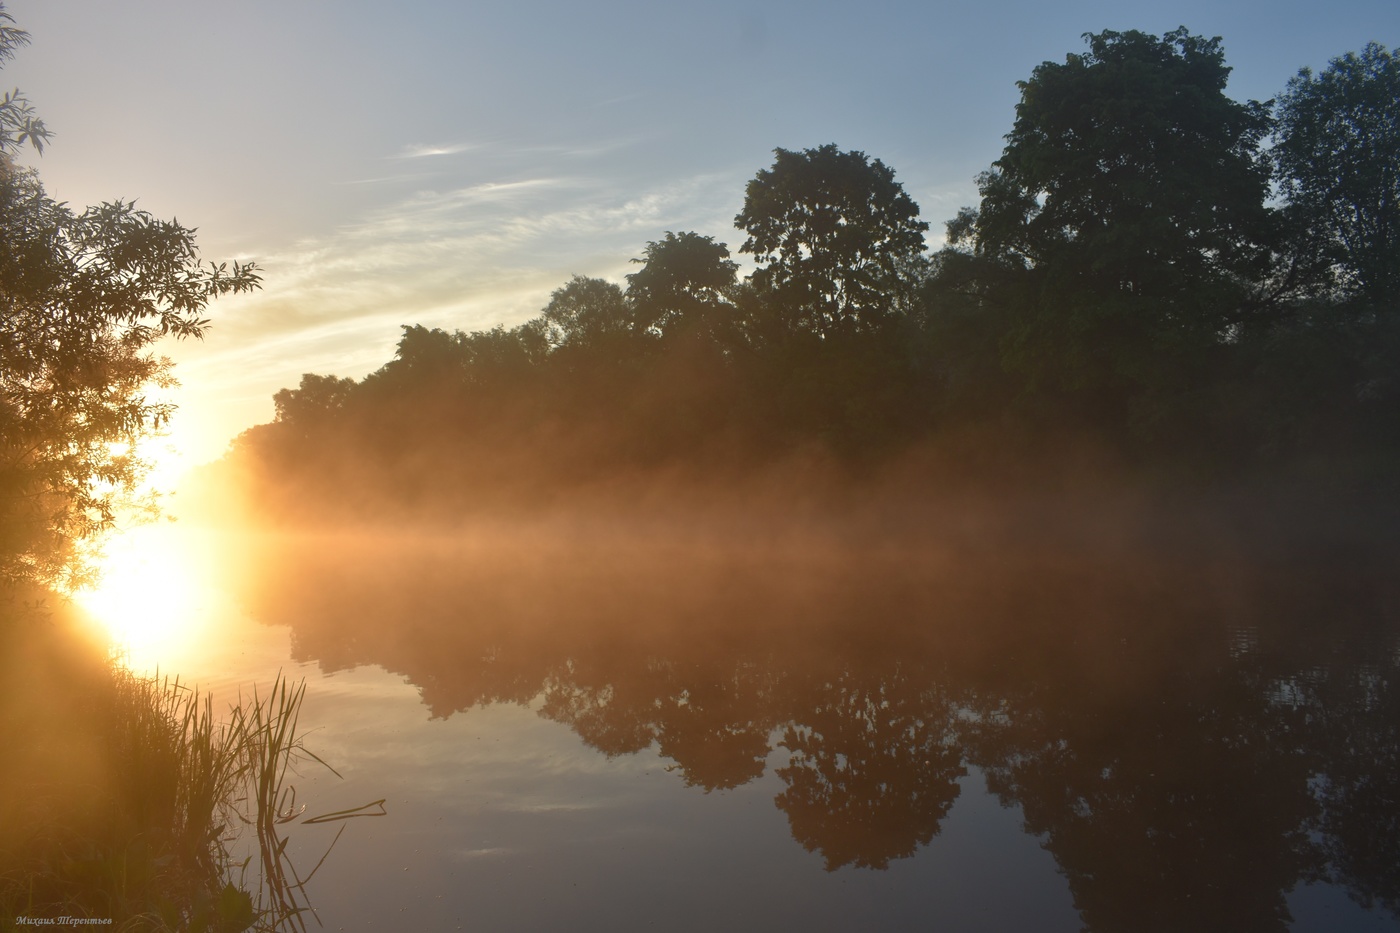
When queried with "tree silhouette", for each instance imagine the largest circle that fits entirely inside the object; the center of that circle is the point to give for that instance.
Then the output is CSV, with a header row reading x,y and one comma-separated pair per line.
x,y
683,285
1127,211
1338,157
832,231
83,296
1122,278
315,400
585,314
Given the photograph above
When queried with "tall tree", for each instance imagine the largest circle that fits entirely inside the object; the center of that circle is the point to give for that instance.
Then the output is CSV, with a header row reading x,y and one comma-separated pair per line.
x,y
315,400
584,314
684,283
83,296
833,231
1128,205
1338,157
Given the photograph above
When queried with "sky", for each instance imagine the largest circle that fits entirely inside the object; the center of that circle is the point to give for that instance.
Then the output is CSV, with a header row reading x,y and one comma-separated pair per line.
x,y
452,163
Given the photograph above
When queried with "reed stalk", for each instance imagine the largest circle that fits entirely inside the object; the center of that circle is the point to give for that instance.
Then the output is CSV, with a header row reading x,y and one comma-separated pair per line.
x,y
135,796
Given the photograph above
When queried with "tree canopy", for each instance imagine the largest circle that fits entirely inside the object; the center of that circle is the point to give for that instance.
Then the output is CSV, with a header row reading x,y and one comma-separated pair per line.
x,y
1129,208
1131,157
83,297
684,283
1129,273
832,231
1338,156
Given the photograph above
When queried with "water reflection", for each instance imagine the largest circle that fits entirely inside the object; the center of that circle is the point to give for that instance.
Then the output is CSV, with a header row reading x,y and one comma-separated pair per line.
x,y
1190,739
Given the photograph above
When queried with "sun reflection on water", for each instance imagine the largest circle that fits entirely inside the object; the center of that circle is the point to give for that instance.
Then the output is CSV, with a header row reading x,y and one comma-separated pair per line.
x,y
149,596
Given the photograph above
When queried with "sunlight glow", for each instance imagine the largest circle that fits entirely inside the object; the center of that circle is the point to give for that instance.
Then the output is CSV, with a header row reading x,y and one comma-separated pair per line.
x,y
148,596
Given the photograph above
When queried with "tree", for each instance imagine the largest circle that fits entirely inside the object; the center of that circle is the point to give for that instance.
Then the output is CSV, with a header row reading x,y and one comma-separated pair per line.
x,y
1131,157
311,403
83,296
584,313
833,230
434,361
685,279
1337,150
18,124
1127,211
426,360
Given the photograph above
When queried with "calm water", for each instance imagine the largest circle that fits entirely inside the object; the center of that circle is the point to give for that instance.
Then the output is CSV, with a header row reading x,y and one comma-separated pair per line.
x,y
604,729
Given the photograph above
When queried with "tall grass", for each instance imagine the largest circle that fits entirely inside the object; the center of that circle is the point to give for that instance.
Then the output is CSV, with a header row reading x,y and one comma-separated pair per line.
x,y
125,798
263,731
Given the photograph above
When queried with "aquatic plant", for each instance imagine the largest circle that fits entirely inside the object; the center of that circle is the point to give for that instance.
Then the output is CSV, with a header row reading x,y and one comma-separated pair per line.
x,y
128,798
263,730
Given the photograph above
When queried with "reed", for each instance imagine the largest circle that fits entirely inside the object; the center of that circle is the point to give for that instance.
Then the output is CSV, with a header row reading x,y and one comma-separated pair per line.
x,y
130,797
263,730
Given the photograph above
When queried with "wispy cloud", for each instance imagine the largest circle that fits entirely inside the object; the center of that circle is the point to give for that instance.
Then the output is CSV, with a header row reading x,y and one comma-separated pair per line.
x,y
466,257
439,248
382,179
586,151
420,151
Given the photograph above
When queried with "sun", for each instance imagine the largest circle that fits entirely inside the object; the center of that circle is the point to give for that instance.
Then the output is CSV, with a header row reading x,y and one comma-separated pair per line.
x,y
148,596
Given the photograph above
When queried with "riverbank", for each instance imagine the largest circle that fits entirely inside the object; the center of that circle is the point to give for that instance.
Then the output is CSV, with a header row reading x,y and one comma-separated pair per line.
x,y
124,795
112,801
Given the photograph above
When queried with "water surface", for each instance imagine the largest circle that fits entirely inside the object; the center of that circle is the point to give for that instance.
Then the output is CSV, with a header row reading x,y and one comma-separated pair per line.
x,y
609,728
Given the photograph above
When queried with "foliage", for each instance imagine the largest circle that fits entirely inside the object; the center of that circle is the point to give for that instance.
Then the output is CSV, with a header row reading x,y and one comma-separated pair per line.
x,y
831,229
317,398
1130,200
83,297
1124,279
1107,161
1338,157
685,284
125,796
18,124
585,314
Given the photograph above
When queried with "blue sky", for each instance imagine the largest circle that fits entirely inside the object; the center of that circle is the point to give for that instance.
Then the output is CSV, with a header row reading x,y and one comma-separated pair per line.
x,y
451,163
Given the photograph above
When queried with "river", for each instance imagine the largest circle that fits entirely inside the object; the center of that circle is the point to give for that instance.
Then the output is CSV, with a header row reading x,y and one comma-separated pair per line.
x,y
609,729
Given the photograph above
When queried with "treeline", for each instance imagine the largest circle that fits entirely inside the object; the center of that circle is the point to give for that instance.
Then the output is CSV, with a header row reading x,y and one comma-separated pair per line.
x,y
1182,277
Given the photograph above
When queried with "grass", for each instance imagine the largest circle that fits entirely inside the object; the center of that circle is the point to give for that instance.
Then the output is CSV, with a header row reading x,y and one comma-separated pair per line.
x,y
122,796
263,729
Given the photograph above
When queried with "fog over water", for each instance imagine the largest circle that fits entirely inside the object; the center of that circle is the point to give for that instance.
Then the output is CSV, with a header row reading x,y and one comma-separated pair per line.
x,y
1075,710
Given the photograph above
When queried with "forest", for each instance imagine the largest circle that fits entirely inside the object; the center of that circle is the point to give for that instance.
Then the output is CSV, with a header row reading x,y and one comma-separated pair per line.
x,y
1196,289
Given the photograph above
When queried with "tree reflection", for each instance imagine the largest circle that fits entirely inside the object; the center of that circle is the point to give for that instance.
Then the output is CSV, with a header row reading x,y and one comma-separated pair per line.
x,y
699,715
1185,769
718,728
1353,715
617,718
1178,808
874,765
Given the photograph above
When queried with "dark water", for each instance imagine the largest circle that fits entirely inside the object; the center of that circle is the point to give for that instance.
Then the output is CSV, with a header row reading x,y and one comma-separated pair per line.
x,y
602,729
